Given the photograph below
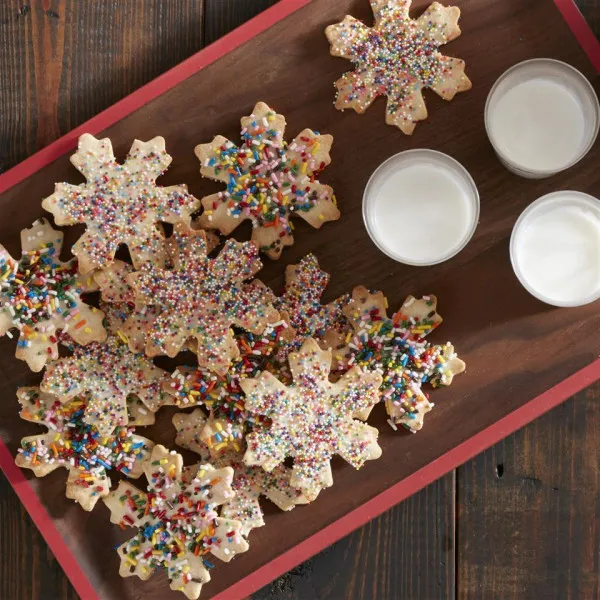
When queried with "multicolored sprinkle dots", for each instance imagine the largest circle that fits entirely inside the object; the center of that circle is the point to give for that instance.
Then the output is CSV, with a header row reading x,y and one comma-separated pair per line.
x,y
312,419
196,433
396,348
222,394
120,203
110,373
177,521
202,298
40,295
305,284
77,446
398,57
268,181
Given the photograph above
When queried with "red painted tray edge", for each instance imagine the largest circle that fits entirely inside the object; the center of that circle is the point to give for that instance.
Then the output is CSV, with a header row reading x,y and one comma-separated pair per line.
x,y
380,503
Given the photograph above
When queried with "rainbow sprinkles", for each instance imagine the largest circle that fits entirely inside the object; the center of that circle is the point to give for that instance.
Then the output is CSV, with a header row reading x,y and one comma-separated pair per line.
x,y
178,522
268,181
398,58
396,348
40,296
78,446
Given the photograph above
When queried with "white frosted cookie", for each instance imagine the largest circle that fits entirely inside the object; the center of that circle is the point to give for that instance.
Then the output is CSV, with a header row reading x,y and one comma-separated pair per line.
x,y
204,437
312,419
77,446
305,284
201,298
396,347
112,374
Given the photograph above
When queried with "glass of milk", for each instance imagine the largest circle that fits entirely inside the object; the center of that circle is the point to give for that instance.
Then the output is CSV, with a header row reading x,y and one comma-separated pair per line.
x,y
555,248
541,116
421,207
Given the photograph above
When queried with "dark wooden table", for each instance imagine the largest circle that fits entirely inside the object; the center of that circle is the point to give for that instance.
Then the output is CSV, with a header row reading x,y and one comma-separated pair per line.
x,y
522,520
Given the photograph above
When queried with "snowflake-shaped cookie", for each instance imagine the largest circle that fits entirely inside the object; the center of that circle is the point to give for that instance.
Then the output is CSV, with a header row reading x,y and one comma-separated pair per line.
x,y
268,180
396,348
196,433
40,295
305,284
222,394
202,298
177,520
120,203
312,419
118,295
77,446
116,291
110,373
398,57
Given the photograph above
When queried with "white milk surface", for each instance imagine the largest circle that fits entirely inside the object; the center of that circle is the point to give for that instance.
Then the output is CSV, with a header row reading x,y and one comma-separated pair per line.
x,y
558,252
421,212
538,124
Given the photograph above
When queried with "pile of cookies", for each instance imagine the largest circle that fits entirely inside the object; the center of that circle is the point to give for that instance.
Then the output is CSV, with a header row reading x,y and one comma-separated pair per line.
x,y
274,378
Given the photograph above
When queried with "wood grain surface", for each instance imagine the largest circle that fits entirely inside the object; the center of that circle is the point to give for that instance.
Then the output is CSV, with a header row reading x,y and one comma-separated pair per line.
x,y
64,61
528,510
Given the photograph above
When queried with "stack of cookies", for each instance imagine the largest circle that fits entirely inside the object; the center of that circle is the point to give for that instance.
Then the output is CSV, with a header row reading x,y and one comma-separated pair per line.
x,y
274,378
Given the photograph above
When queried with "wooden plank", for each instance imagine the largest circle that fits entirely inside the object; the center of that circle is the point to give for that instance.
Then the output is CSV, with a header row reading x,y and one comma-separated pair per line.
x,y
529,510
28,570
408,552
63,61
221,16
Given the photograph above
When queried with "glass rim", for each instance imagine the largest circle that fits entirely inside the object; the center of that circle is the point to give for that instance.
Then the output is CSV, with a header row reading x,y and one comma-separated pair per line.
x,y
552,197
472,197
518,166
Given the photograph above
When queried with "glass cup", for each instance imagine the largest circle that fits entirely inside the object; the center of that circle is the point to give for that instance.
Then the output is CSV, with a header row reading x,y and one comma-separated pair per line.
x,y
541,116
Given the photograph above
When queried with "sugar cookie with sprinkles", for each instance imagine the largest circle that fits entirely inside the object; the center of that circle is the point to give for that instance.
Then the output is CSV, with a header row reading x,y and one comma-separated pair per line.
x,y
40,295
115,290
119,302
268,181
189,426
311,419
178,522
110,373
398,57
201,298
201,435
77,446
222,394
120,203
305,284
396,348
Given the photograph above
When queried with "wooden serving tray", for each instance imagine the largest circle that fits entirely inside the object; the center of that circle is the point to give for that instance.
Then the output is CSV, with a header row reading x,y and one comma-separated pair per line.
x,y
515,347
